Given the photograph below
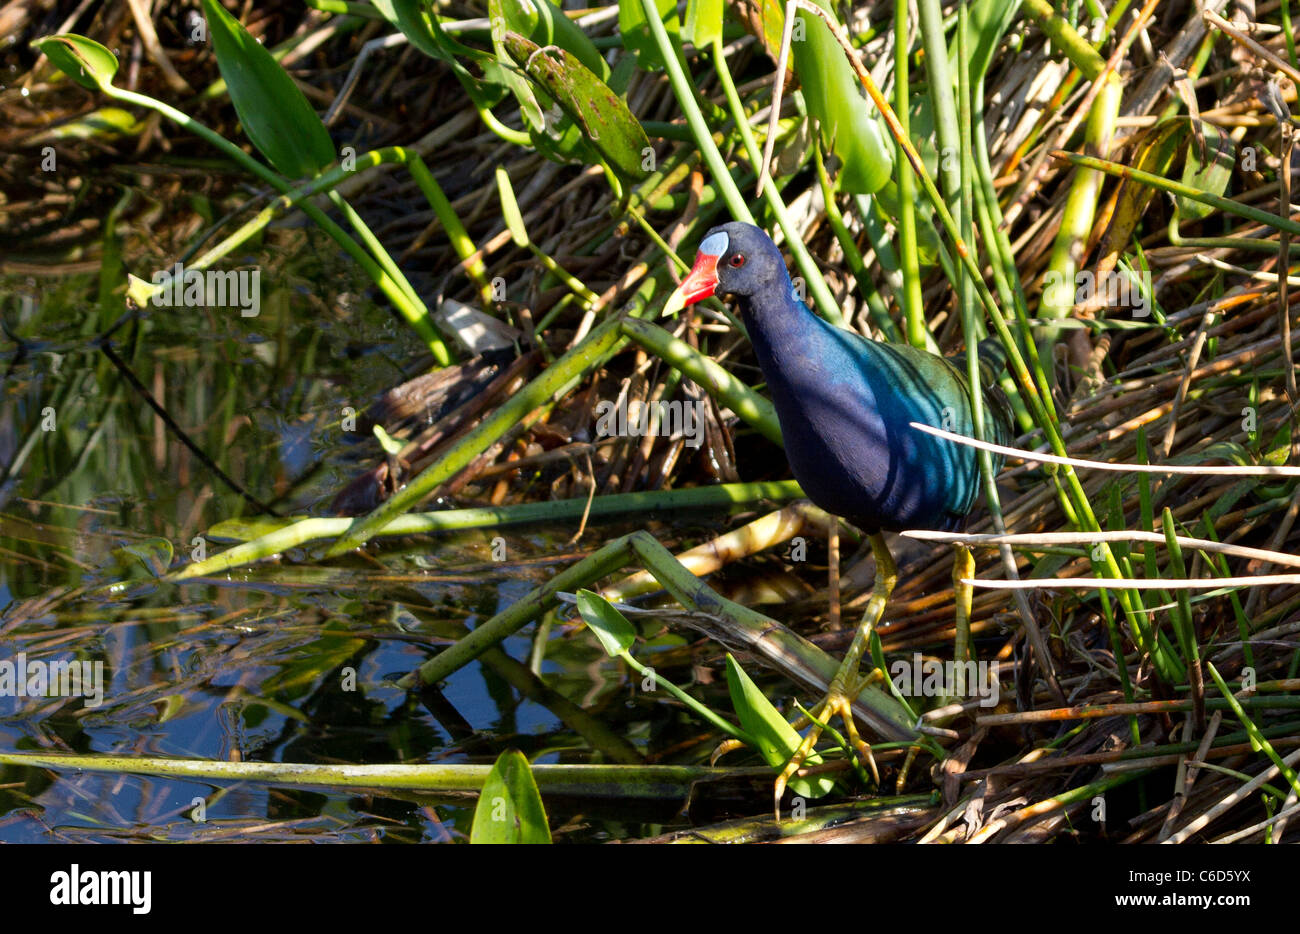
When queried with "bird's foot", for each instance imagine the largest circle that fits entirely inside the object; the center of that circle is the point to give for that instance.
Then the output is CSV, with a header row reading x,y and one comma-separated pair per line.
x,y
837,702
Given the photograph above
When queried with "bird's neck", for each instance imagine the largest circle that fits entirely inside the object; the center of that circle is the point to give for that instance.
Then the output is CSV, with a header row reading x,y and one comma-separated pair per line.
x,y
780,325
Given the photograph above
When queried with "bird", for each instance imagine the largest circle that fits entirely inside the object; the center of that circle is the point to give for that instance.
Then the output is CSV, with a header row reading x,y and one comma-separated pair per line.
x,y
845,404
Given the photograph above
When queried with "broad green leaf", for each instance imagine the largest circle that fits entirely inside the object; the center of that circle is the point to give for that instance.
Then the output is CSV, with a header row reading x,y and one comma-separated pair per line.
x,y
509,806
553,133
847,119
406,16
1210,172
611,627
602,115
703,22
274,113
544,23
83,60
777,740
634,29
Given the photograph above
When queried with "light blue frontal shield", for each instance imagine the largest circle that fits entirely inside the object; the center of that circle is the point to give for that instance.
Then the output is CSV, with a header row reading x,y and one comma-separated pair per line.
x,y
715,244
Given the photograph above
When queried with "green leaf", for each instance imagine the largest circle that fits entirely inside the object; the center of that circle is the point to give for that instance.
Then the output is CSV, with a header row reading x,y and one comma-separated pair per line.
x,y
274,113
848,121
83,60
611,627
602,115
553,133
703,22
544,23
989,20
509,806
777,741
510,211
423,32
1210,172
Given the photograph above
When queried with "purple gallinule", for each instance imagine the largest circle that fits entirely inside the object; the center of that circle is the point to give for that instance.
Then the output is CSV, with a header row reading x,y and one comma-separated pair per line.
x,y
844,403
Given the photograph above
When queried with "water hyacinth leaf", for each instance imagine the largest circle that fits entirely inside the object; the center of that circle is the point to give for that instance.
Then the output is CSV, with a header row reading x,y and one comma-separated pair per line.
x,y
776,740
274,112
551,131
611,627
544,23
703,22
848,121
83,60
604,118
634,29
1210,171
509,806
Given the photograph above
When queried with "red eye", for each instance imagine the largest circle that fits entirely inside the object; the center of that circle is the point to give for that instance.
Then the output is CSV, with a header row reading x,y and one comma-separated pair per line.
x,y
737,260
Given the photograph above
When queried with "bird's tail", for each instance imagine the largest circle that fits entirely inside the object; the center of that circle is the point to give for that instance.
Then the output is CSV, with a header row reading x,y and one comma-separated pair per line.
x,y
992,361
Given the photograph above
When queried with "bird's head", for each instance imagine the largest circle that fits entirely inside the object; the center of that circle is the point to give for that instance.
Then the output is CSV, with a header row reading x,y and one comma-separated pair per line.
x,y
733,259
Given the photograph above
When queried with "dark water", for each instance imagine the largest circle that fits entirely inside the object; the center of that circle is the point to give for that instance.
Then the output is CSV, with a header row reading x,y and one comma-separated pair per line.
x,y
256,667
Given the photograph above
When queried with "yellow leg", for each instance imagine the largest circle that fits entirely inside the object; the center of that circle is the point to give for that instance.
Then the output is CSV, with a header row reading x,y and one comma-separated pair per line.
x,y
833,566
963,568
847,683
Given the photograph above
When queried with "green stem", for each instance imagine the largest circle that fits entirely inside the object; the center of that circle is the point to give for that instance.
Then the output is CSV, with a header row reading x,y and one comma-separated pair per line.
x,y
1066,38
861,276
909,296
817,287
1186,191
265,538
717,382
